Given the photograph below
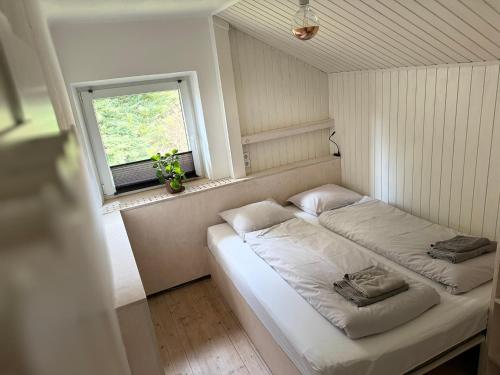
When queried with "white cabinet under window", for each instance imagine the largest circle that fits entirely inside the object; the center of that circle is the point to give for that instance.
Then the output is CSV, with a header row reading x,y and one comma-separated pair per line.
x,y
128,123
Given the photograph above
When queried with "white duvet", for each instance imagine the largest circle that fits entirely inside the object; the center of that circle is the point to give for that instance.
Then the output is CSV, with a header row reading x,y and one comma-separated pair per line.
x,y
405,239
310,259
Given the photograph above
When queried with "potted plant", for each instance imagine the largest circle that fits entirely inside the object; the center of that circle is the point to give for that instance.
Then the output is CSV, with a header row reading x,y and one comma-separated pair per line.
x,y
169,170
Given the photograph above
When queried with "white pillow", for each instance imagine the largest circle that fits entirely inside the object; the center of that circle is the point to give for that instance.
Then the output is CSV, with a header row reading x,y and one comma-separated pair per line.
x,y
324,198
256,216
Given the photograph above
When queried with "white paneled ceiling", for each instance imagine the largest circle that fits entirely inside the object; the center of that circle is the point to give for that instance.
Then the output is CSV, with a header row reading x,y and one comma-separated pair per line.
x,y
372,34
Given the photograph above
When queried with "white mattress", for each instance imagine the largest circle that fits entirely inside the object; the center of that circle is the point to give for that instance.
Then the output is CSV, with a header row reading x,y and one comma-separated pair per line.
x,y
315,346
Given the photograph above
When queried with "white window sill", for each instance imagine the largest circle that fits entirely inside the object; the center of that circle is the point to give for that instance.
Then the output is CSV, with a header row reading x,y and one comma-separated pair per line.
x,y
156,194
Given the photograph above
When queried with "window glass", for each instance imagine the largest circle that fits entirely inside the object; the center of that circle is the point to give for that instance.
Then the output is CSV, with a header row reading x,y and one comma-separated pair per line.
x,y
127,123
134,127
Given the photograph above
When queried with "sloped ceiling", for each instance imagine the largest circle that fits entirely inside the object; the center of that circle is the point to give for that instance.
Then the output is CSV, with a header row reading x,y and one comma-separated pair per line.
x,y
372,34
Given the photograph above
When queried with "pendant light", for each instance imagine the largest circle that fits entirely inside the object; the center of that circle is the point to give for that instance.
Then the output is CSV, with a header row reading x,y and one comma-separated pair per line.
x,y
305,23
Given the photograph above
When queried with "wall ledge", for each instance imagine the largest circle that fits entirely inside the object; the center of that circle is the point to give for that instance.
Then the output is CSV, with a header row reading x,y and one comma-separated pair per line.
x,y
127,284
153,196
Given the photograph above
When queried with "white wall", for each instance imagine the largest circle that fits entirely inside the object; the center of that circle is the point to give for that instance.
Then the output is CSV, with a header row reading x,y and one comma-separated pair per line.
x,y
100,50
425,139
225,63
275,90
168,255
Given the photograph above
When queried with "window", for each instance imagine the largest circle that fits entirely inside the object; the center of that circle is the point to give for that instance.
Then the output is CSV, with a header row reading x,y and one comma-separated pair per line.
x,y
126,124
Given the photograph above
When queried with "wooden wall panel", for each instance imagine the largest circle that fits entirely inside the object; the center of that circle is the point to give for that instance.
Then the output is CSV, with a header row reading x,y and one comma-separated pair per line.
x,y
275,90
424,139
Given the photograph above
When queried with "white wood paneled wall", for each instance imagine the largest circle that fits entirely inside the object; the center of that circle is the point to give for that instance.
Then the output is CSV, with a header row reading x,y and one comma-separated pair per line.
x,y
275,90
424,139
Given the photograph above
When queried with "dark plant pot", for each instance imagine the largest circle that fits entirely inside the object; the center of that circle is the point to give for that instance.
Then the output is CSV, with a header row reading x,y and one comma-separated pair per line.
x,y
174,191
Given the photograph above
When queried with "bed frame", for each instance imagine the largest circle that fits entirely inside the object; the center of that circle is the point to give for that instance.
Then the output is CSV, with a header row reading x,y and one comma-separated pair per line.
x,y
275,358
278,361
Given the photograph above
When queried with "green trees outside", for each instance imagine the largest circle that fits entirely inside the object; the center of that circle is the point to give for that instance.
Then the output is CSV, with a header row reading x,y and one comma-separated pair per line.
x,y
134,127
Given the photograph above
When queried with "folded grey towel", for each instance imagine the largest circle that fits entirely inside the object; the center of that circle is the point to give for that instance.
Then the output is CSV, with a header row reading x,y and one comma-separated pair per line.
x,y
343,288
374,281
459,257
461,243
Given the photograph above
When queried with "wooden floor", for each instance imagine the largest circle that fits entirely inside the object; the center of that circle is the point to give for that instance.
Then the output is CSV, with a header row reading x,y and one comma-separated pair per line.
x,y
198,334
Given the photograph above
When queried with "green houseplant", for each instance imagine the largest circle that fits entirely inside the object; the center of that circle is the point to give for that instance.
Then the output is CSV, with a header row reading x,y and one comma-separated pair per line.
x,y
169,170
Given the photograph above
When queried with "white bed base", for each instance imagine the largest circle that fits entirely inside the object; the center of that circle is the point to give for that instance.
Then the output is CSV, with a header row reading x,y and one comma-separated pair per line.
x,y
277,360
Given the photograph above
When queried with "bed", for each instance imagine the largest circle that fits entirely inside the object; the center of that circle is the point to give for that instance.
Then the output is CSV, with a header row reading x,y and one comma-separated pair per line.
x,y
304,342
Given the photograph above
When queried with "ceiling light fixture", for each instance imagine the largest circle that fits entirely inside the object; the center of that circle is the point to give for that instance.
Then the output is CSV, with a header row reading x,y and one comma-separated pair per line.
x,y
305,23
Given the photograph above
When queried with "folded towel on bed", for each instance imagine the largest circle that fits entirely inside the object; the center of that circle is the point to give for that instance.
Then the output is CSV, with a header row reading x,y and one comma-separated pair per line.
x,y
374,281
458,257
345,289
461,243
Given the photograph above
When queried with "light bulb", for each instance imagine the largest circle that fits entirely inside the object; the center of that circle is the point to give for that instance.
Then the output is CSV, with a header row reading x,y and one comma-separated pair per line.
x,y
305,23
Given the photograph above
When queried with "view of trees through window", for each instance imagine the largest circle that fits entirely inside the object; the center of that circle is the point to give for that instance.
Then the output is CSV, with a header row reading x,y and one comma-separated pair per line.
x,y
134,127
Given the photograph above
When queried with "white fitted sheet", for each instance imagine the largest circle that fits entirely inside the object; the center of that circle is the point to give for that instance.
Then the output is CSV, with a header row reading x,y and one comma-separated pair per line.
x,y
315,346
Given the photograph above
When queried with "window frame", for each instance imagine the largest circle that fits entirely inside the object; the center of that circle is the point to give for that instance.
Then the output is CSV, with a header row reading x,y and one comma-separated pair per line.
x,y
102,90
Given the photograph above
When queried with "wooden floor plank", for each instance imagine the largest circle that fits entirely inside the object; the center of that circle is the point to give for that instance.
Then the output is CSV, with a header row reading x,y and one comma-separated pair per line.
x,y
227,360
154,307
237,335
205,342
199,335
173,355
180,360
182,318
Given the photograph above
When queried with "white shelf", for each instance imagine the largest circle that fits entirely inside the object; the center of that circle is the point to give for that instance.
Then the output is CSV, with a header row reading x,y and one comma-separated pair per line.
x,y
288,131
